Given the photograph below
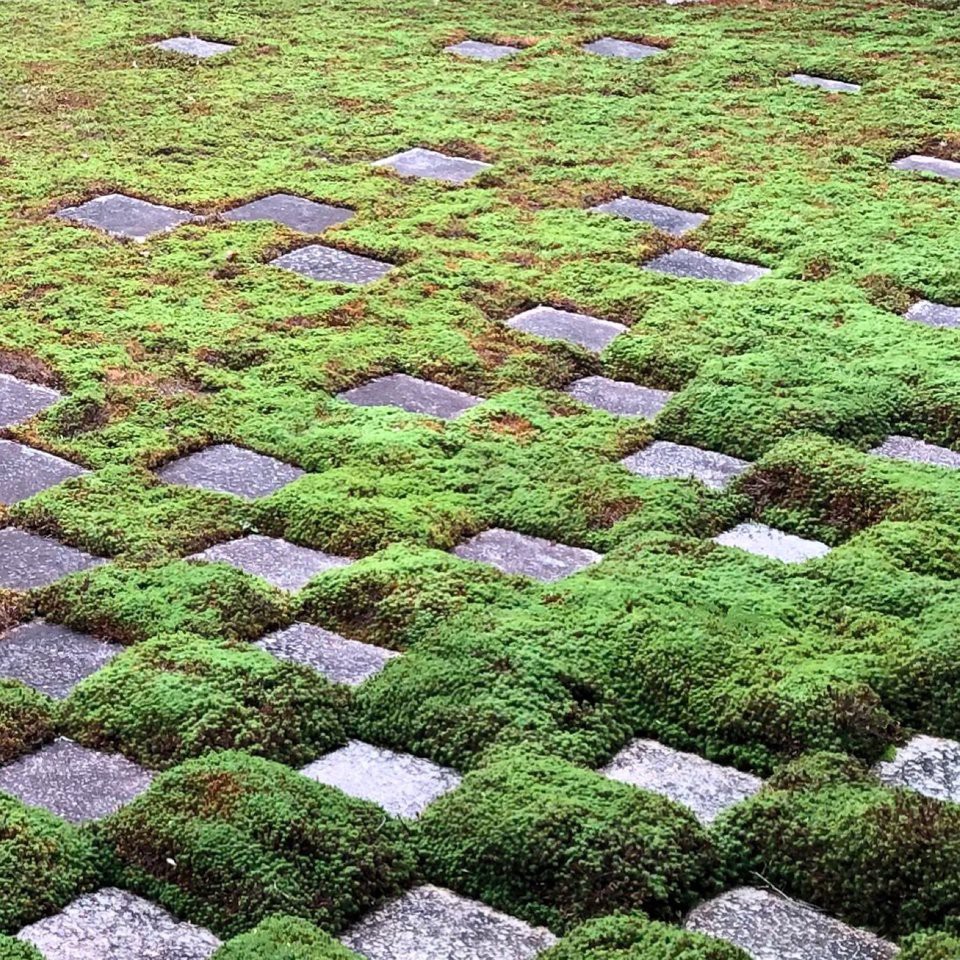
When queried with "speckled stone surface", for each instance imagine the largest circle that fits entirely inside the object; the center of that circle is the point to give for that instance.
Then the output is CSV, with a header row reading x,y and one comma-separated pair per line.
x,y
585,331
340,660
665,460
668,219
948,169
225,468
28,561
25,471
774,544
934,314
526,556
480,50
400,783
297,213
706,788
127,217
627,49
693,265
74,782
432,165
194,47
831,86
283,564
317,262
916,451
430,923
770,927
20,401
52,658
929,765
620,397
113,924
412,395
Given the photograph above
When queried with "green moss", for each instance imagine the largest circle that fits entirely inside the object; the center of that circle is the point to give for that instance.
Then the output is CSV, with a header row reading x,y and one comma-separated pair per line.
x,y
27,719
929,946
284,938
11,949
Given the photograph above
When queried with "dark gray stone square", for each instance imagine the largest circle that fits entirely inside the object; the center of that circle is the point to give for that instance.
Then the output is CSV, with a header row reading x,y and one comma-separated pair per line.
x,y
52,658
25,471
317,262
307,216
764,541
19,401
917,451
194,47
929,765
431,165
693,265
74,782
412,395
674,461
626,49
822,83
934,314
668,219
224,468
481,50
949,169
620,397
578,328
519,554
28,561
126,217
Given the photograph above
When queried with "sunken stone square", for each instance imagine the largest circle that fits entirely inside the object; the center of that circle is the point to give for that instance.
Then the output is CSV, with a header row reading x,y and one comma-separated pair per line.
x,y
126,217
588,332
668,219
194,47
693,265
25,471
929,765
431,165
413,395
20,401
297,213
619,397
28,561
822,83
481,50
948,169
625,49
523,555
675,461
317,262
430,923
934,314
225,468
765,541
917,451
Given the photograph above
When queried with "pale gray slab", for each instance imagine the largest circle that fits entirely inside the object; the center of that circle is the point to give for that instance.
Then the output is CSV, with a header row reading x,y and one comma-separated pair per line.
x,y
127,217
670,220
194,47
764,541
25,471
297,213
665,460
19,401
948,169
934,314
481,50
620,397
578,328
627,49
916,451
691,264
527,556
413,395
432,165
822,83
929,765
28,561
317,262
225,468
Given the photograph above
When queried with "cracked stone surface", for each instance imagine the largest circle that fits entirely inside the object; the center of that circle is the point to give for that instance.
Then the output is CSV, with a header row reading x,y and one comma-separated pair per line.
x,y
771,927
948,169
20,401
620,397
317,262
127,217
25,471
831,86
431,165
307,216
194,47
665,460
934,314
527,556
413,395
340,660
480,50
74,782
691,264
916,451
768,542
283,564
28,561
705,787
578,328
52,658
670,220
611,47
113,924
430,923
929,765
402,784
225,468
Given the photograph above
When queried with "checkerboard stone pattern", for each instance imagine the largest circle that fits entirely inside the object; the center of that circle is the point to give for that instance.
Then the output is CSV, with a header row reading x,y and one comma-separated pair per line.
x,y
523,555
664,460
823,83
74,782
929,765
51,658
625,49
328,264
934,314
225,468
19,401
413,395
916,451
25,471
764,541
431,165
693,265
340,660
113,924
430,923
948,169
770,927
28,561
297,213
670,220
126,217
400,783
619,397
578,328
194,47
480,50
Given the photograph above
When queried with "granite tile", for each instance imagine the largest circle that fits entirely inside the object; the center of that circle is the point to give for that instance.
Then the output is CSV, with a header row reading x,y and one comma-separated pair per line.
x,y
297,213
523,555
626,49
934,314
693,265
194,47
831,86
224,468
619,397
431,165
764,541
481,50
126,217
669,220
917,451
28,561
665,460
328,264
25,472
19,401
413,395
948,169
577,328
929,765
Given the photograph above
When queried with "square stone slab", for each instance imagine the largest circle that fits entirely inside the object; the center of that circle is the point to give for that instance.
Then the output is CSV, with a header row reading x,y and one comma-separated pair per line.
x,y
51,658
770,927
431,165
194,47
113,924
526,556
74,782
127,217
413,395
307,216
340,660
664,460
578,328
627,49
28,561
693,265
668,219
224,468
25,471
480,50
949,169
934,314
765,541
400,783
916,451
430,923
929,765
705,787
831,86
317,262
283,564
19,401
619,397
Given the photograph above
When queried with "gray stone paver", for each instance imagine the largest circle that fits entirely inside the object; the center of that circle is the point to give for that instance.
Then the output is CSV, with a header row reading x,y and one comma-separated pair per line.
x,y
297,213
670,220
402,784
764,541
431,165
74,782
225,468
113,924
126,217
917,451
823,83
25,471
693,265
626,49
317,262
52,658
934,314
929,765
675,461
948,169
340,660
706,788
282,564
194,47
28,561
413,395
577,328
20,401
523,555
771,927
620,397
430,923
481,50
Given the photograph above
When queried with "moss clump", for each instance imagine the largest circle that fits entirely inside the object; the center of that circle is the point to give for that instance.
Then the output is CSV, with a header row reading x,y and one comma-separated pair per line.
x,y
11,949
284,938
929,946
26,719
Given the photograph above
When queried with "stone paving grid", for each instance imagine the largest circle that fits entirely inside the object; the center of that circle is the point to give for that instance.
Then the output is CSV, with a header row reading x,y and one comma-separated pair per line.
x,y
665,460
331,265
20,401
590,333
126,217
413,395
224,468
774,544
619,397
297,213
668,219
432,165
831,86
28,561
626,49
25,471
194,47
934,314
694,265
916,451
480,50
523,555
929,765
